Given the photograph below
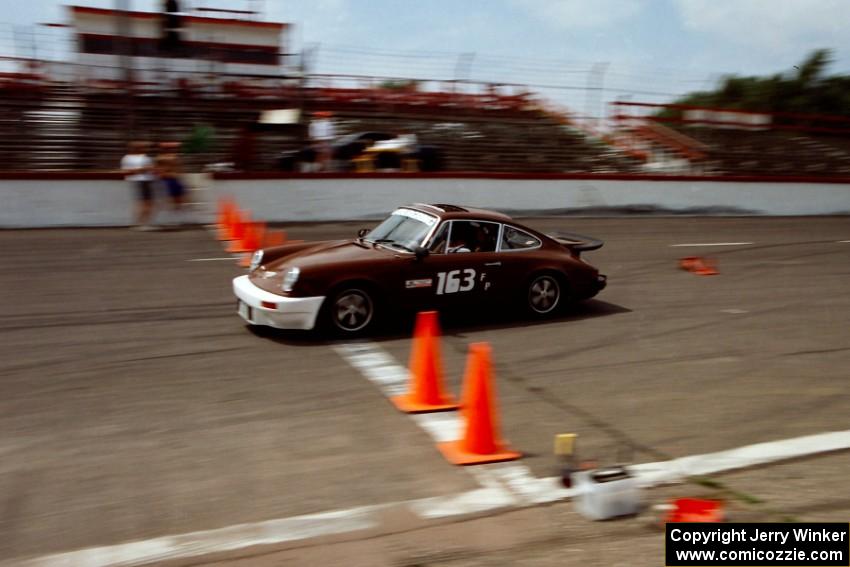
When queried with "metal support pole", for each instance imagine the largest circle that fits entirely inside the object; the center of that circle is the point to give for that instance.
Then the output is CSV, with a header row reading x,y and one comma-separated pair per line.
x,y
595,88
123,32
463,67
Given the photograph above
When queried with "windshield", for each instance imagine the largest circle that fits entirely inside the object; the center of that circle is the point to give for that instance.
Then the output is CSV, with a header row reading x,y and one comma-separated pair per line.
x,y
404,228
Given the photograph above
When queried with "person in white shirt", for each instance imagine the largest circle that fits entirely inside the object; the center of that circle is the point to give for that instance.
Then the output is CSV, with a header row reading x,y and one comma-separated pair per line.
x,y
322,133
138,170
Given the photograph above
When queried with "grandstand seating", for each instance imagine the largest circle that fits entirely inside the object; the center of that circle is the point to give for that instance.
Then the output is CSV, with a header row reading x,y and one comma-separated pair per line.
x,y
65,117
772,152
67,127
711,141
56,126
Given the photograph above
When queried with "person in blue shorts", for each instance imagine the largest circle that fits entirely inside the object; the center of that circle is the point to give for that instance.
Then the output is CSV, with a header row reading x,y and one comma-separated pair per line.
x,y
169,169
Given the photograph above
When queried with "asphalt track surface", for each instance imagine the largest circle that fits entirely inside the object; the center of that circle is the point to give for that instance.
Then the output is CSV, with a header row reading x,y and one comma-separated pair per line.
x,y
135,404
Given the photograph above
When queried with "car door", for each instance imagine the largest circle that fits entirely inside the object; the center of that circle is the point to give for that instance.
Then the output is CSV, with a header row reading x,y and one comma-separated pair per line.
x,y
462,268
423,276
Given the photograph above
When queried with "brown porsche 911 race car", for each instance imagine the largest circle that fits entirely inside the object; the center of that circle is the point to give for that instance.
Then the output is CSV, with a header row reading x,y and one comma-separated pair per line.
x,y
441,257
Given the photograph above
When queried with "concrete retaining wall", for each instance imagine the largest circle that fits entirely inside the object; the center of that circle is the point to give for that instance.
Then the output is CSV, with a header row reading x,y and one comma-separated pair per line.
x,y
26,203
109,201
330,199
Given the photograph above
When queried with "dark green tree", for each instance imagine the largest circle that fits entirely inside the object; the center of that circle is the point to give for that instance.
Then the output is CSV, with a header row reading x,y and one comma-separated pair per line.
x,y
804,89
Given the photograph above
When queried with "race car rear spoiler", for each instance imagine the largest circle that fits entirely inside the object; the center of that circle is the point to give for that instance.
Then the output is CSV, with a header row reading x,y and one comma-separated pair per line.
x,y
576,242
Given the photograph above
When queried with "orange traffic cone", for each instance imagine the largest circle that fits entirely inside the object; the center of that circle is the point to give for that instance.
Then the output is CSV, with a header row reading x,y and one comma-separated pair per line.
x,y
241,232
236,227
480,443
699,265
234,217
706,267
426,370
224,218
254,237
688,263
696,510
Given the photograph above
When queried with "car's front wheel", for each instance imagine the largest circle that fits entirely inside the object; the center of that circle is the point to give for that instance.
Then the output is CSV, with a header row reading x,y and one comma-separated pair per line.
x,y
351,311
544,295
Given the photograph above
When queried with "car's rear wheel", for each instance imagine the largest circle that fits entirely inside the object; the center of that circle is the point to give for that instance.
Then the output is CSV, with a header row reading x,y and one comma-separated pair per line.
x,y
544,295
351,311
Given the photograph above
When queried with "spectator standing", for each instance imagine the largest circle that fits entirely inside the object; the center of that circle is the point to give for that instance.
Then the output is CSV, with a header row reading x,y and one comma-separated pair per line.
x,y
169,169
322,133
138,169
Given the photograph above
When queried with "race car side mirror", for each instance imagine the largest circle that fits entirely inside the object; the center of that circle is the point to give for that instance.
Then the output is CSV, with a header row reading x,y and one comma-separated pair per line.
x,y
362,232
421,252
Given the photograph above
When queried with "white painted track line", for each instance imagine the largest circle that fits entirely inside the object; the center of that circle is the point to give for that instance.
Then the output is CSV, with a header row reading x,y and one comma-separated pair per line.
x,y
377,366
710,244
652,474
380,368
529,490
442,426
472,502
527,487
392,379
213,541
503,485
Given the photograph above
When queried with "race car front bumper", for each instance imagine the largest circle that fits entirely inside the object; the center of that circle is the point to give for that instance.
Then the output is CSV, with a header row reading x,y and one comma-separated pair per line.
x,y
259,307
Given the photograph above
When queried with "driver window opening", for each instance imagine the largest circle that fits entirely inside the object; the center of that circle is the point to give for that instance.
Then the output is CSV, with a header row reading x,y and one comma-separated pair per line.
x,y
473,236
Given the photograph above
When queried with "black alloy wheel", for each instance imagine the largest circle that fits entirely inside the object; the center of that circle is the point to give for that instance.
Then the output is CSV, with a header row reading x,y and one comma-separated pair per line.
x,y
544,294
351,311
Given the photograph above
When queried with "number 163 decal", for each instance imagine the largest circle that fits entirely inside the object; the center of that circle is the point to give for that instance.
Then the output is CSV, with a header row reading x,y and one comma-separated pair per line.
x,y
455,281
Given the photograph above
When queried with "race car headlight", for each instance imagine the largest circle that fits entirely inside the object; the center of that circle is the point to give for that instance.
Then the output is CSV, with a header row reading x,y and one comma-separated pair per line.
x,y
256,260
290,278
